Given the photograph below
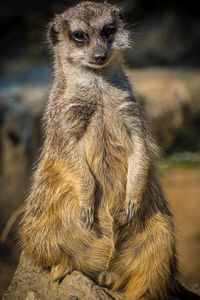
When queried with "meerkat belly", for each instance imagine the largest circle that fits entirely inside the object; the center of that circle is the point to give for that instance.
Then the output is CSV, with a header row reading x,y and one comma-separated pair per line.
x,y
106,152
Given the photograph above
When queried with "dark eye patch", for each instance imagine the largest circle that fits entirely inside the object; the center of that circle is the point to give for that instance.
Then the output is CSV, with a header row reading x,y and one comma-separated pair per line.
x,y
79,37
108,30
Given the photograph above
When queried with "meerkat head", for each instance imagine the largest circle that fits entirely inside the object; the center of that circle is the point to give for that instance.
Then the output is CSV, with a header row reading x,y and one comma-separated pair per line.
x,y
89,35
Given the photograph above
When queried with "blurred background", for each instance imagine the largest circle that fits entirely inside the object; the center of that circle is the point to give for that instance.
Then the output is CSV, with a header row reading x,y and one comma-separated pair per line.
x,y
164,66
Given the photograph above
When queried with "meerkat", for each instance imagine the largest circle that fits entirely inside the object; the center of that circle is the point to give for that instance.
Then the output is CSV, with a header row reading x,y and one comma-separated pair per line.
x,y
96,204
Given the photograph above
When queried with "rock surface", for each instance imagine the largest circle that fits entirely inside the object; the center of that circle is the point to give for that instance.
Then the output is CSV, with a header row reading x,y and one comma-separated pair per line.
x,y
31,283
170,100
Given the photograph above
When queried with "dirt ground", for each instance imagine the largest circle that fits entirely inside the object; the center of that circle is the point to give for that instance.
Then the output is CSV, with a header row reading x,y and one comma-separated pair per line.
x,y
182,189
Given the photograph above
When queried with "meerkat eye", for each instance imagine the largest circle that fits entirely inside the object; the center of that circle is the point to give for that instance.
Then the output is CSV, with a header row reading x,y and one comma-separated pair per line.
x,y
78,37
108,30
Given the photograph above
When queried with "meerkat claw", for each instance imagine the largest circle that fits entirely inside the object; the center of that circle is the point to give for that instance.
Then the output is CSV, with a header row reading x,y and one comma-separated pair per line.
x,y
88,217
131,211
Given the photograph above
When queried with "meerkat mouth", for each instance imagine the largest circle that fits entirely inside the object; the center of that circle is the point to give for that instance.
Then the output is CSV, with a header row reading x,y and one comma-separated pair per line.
x,y
98,65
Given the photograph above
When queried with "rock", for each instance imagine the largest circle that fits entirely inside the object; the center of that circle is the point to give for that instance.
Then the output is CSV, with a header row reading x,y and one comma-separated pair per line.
x,y
31,283
170,100
22,100
19,144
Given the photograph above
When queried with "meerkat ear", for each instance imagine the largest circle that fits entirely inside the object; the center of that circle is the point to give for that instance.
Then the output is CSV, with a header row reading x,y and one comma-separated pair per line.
x,y
52,34
118,14
121,17
55,27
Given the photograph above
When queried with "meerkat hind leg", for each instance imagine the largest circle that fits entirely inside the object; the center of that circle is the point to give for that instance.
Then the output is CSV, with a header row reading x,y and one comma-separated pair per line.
x,y
58,272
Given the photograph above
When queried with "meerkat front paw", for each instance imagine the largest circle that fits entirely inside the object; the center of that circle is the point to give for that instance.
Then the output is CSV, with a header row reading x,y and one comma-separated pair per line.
x,y
131,209
87,216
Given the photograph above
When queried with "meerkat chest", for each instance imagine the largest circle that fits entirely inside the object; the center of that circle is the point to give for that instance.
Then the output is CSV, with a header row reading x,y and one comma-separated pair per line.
x,y
106,141
94,118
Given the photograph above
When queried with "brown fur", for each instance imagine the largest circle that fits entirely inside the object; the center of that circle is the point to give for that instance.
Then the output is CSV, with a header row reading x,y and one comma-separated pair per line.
x,y
96,204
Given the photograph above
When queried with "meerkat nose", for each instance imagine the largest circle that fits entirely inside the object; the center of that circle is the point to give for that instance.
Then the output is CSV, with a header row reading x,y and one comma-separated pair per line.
x,y
99,56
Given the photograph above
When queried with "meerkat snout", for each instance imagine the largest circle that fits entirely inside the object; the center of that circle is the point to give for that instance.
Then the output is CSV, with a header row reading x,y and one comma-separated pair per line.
x,y
99,55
